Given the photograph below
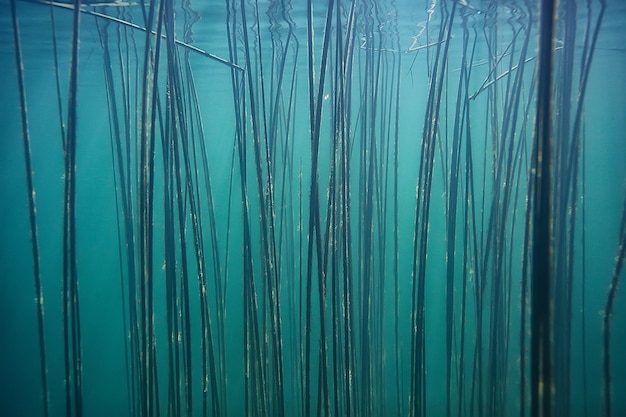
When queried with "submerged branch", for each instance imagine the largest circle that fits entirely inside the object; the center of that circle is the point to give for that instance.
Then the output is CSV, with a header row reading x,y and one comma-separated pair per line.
x,y
141,28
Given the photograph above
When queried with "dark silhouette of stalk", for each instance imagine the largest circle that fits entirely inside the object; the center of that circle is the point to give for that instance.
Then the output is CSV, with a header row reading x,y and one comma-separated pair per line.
x,y
563,213
71,317
280,144
583,281
332,232
121,172
508,146
315,110
147,375
608,315
171,292
56,74
218,275
367,185
451,216
173,138
272,267
268,241
542,268
566,187
32,209
469,220
417,394
180,137
255,400
396,239
344,65
525,272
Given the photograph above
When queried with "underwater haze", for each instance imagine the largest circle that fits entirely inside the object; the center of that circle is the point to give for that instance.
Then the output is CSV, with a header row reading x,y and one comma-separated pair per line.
x,y
312,208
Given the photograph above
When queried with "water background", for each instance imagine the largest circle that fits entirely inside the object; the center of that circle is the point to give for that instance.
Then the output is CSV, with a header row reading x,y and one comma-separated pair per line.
x,y
101,303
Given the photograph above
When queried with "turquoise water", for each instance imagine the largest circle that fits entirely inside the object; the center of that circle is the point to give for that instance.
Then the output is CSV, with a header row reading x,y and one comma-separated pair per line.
x,y
238,250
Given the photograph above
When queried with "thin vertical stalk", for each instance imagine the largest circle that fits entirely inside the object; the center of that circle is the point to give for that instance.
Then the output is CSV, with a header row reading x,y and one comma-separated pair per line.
x,y
608,315
32,209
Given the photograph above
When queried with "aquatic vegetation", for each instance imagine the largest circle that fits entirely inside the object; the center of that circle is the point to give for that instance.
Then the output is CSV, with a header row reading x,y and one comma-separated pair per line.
x,y
331,208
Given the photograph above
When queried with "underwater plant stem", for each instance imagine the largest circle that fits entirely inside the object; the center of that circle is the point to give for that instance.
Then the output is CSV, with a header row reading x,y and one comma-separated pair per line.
x,y
451,218
542,268
56,74
583,281
268,241
148,376
315,110
71,317
32,209
608,315
122,183
417,395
